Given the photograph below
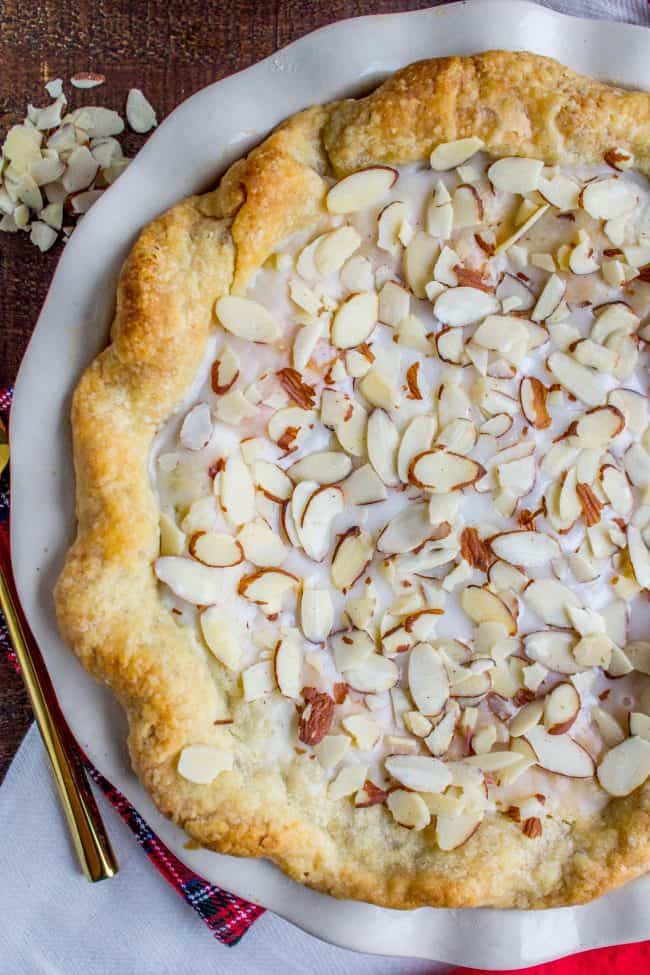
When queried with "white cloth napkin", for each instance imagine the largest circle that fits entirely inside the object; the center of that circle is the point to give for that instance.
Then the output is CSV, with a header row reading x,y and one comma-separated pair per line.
x,y
55,923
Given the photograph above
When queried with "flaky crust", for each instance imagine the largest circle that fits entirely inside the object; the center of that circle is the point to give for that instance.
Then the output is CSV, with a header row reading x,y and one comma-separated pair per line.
x,y
107,599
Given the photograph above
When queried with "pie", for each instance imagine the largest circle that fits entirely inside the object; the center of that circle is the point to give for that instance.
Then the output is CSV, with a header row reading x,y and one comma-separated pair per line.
x,y
363,492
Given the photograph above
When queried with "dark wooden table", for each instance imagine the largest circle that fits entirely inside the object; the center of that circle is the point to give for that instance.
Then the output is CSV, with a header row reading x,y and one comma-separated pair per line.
x,y
169,49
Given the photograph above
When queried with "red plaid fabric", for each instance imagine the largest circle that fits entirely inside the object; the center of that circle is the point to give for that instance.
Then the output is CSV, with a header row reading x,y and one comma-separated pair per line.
x,y
227,916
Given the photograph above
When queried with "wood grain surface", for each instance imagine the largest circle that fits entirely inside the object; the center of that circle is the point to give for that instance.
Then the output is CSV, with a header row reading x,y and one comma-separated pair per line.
x,y
169,49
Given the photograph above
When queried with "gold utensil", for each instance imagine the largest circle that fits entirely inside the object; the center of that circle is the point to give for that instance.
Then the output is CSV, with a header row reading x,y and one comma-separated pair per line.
x,y
84,820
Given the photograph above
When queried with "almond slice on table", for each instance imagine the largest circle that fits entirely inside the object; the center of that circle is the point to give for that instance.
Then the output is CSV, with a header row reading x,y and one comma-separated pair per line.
x,y
196,429
419,260
247,319
237,492
484,606
361,189
442,471
625,767
216,549
334,249
272,481
532,397
408,809
553,650
262,546
561,708
515,174
266,588
316,614
606,199
287,666
408,530
525,548
352,554
427,679
201,764
364,486
382,441
464,306
453,831
354,320
449,155
373,675
560,754
576,378
323,467
189,580
321,508
221,637
351,648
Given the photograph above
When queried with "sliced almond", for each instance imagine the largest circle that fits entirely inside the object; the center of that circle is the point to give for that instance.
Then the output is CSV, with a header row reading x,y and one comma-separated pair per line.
x,y
598,427
419,260
247,319
508,243
262,546
354,320
354,550
634,407
464,306
373,675
638,653
394,304
442,471
514,174
419,772
323,467
216,549
316,614
497,425
637,465
416,439
321,508
549,599
331,749
407,531
532,396
561,708
361,189
382,440
189,580
364,486
525,548
560,191
440,213
639,556
267,587
306,341
225,370
201,764
454,831
553,649
576,378
289,425
449,155
272,481
614,317
484,606
450,345
287,664
439,740
196,429
335,248
237,494
351,648
625,767
606,199
550,298
427,679
348,781
526,718
640,725
560,754
467,206
408,809
389,224
221,636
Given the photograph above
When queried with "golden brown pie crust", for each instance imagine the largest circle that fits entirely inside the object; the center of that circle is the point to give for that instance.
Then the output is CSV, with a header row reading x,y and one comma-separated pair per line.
x,y
107,599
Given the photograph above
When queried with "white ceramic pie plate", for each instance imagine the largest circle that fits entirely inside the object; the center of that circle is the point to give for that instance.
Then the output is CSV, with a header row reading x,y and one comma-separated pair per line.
x,y
196,142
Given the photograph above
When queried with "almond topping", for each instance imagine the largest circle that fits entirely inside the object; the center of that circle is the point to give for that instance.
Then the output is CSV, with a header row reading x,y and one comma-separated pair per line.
x,y
300,392
591,506
474,550
315,717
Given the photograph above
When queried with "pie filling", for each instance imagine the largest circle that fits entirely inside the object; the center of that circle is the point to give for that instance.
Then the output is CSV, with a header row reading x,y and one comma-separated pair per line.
x,y
405,511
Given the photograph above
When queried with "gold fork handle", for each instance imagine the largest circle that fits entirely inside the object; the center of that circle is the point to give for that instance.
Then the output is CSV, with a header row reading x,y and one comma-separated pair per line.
x,y
84,820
